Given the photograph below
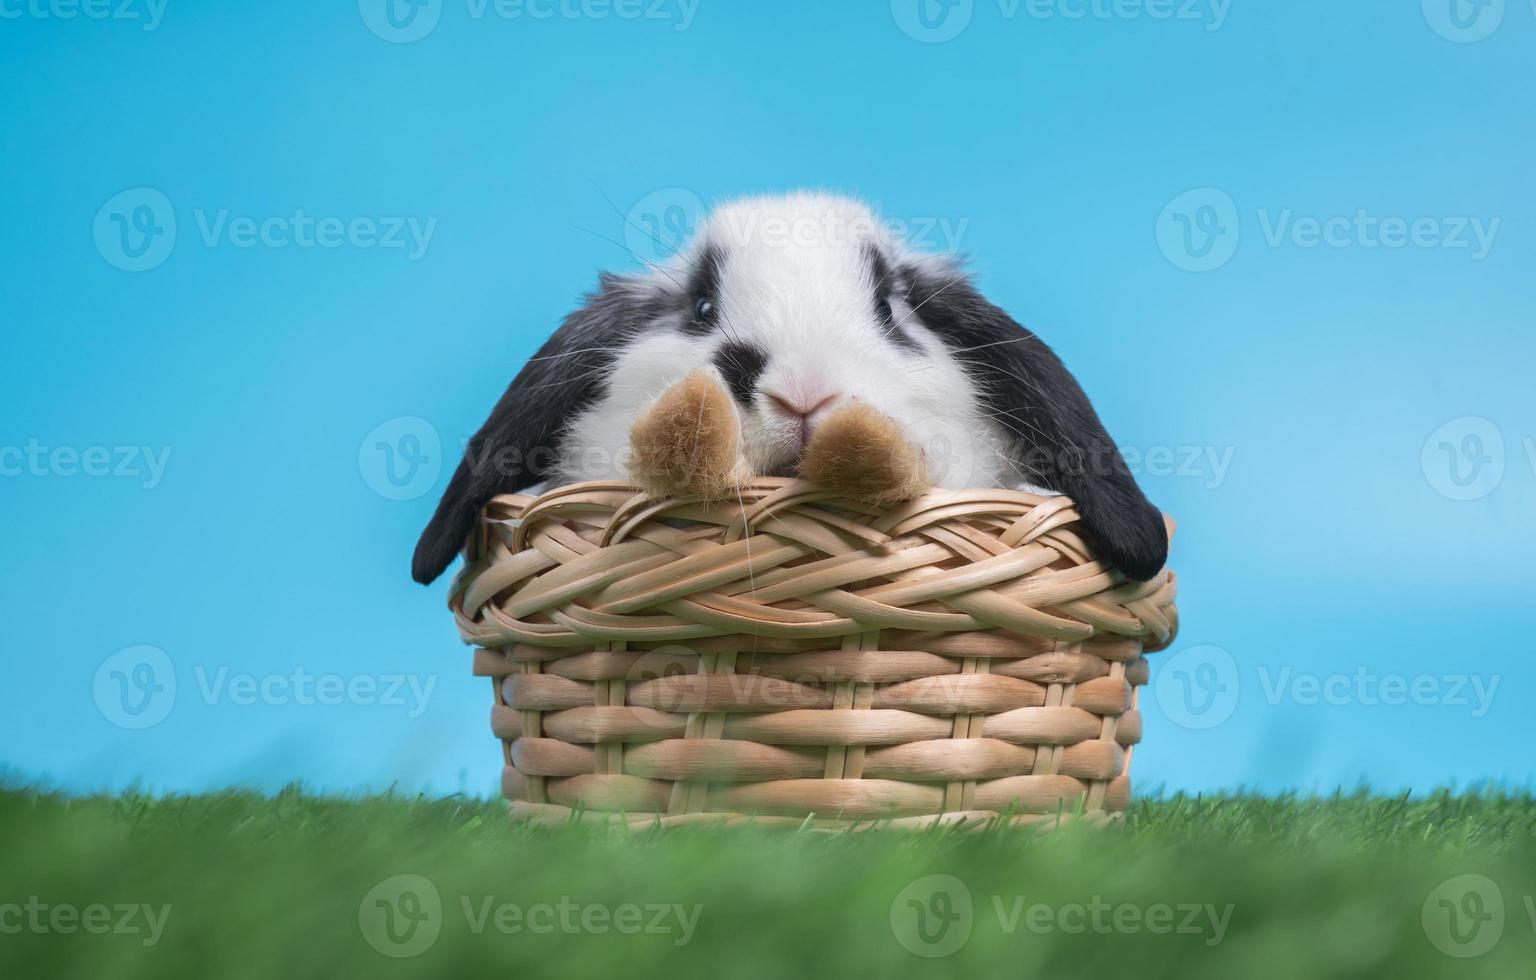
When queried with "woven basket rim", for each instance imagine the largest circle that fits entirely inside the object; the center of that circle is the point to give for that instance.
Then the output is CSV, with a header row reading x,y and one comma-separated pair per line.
x,y
766,496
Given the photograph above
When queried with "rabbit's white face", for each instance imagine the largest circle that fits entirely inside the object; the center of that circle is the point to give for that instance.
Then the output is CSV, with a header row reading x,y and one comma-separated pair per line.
x,y
800,304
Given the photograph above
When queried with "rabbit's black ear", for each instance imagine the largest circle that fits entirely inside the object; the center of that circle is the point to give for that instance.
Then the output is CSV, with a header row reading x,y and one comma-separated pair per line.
x,y
1062,444
517,445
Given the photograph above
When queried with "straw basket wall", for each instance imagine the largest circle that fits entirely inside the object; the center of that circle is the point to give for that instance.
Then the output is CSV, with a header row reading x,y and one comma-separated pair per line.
x,y
800,659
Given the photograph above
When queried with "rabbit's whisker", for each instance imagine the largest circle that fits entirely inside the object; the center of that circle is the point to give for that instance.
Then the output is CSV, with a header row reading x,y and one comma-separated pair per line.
x,y
913,312
625,218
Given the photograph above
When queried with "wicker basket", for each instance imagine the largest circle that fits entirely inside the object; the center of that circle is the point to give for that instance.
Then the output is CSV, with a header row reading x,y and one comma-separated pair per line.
x,y
793,658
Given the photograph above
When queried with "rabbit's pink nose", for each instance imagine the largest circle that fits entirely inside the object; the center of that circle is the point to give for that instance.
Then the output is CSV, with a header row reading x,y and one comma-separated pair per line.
x,y
804,409
800,411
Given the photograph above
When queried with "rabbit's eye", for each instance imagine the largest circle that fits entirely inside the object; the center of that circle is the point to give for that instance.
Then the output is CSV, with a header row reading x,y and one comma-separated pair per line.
x,y
704,309
884,312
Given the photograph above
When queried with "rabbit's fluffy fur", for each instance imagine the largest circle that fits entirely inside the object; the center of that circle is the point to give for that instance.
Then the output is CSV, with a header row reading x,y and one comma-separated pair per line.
x,y
794,336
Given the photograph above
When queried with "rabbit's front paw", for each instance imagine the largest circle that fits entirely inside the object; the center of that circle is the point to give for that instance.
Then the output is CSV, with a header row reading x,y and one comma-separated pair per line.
x,y
688,444
864,455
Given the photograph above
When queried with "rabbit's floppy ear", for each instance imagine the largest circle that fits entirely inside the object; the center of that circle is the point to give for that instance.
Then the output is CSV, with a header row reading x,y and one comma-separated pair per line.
x,y
517,446
1064,446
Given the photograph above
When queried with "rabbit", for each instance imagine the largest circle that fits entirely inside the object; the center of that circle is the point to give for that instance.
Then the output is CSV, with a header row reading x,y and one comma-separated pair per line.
x,y
795,336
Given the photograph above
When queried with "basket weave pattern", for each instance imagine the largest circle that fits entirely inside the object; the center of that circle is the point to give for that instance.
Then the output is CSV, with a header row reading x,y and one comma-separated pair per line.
x,y
798,658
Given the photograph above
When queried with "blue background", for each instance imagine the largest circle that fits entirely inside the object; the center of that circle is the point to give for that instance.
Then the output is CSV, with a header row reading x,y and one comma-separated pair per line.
x,y
1331,546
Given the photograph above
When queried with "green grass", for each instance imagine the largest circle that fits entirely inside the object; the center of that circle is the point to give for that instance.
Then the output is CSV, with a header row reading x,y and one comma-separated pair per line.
x,y
1253,887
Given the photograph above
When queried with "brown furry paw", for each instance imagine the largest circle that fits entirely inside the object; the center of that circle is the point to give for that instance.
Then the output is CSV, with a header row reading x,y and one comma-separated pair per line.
x,y
688,444
863,454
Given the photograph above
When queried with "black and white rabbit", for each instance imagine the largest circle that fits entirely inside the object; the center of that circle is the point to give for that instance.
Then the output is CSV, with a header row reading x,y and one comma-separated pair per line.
x,y
799,305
